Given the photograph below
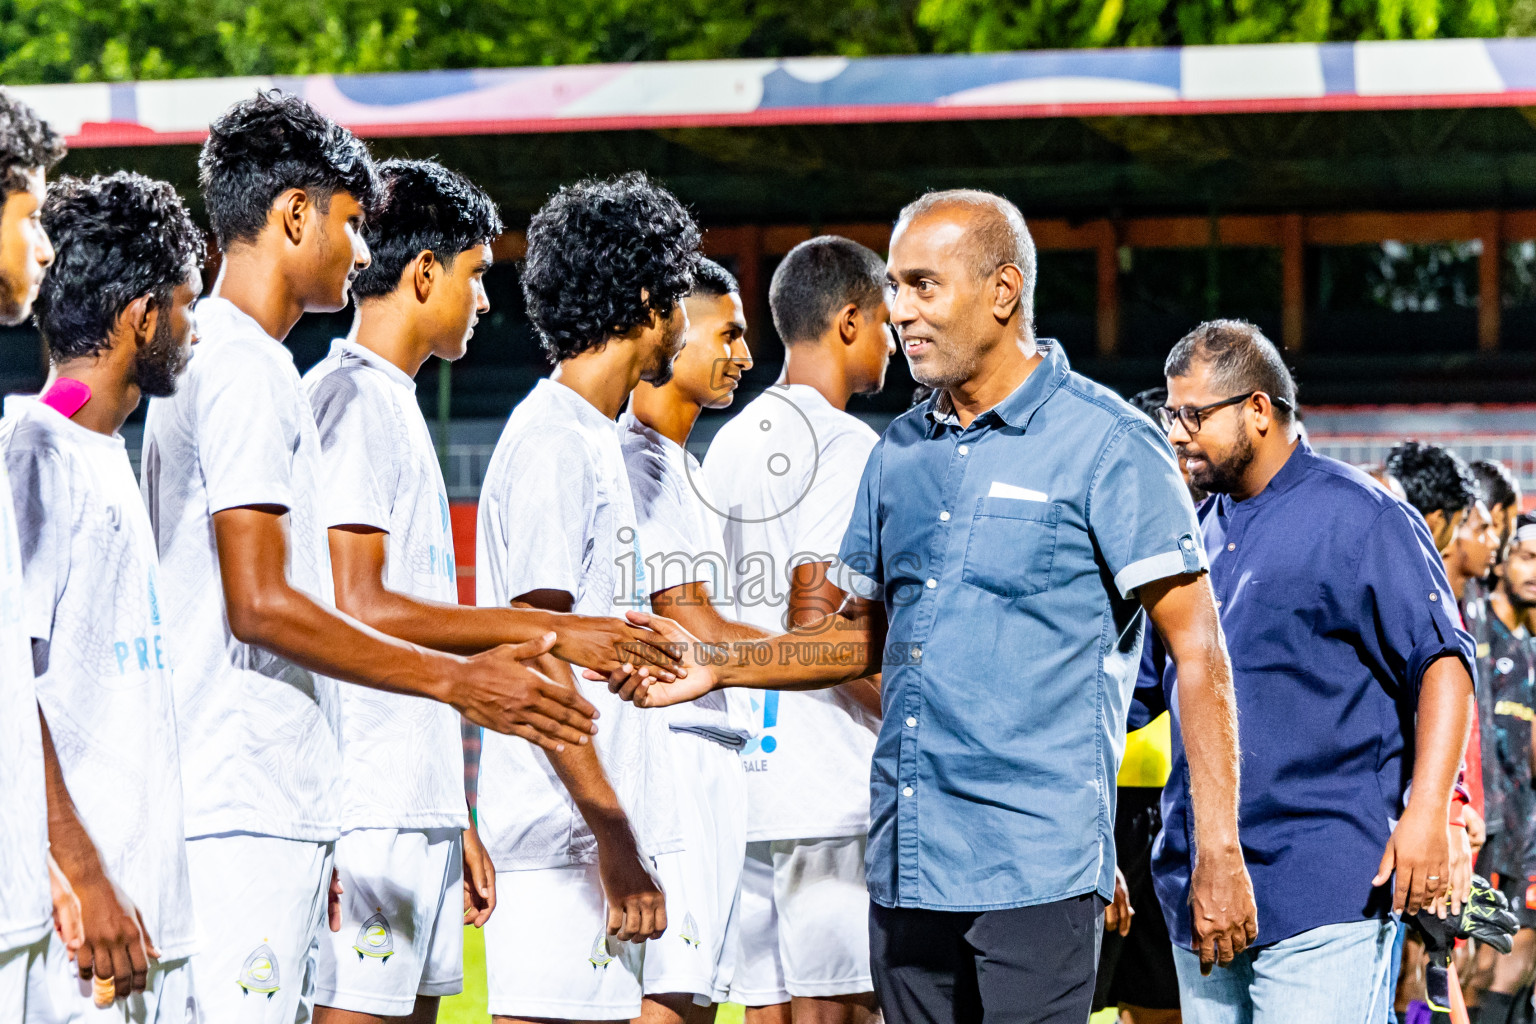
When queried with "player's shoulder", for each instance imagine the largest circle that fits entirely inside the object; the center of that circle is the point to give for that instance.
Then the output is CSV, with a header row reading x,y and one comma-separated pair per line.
x,y
31,427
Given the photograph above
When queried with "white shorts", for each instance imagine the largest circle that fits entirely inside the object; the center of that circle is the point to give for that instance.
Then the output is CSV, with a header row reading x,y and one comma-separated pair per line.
x,y
24,981
698,952
804,928
547,951
260,904
402,921
169,996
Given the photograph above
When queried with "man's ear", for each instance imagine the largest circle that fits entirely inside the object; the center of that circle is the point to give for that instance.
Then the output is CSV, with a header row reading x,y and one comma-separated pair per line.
x,y
425,270
294,209
1007,291
139,318
849,319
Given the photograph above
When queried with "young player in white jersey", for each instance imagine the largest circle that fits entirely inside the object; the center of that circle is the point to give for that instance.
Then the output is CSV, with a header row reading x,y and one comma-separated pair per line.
x,y
410,882
115,312
785,471
231,473
28,151
689,969
608,265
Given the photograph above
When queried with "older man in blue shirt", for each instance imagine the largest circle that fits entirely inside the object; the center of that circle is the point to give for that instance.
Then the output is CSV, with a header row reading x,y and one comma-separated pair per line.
x,y
1352,676
1010,537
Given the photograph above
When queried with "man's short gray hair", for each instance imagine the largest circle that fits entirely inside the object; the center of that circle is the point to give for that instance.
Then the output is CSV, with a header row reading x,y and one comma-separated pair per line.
x,y
999,237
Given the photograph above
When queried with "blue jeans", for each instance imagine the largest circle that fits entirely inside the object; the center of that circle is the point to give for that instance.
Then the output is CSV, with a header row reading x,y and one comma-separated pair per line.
x,y
1336,974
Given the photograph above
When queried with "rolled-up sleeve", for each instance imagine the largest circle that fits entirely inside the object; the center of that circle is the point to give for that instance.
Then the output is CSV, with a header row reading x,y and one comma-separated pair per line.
x,y
859,570
1139,510
1406,599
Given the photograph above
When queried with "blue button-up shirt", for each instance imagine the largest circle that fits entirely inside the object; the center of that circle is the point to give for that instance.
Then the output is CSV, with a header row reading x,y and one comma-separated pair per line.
x,y
1008,554
1334,601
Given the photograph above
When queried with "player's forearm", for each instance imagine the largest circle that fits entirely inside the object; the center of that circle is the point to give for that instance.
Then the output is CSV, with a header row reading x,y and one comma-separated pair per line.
x,y
831,650
581,772
1444,720
292,625
69,842
458,629
1208,722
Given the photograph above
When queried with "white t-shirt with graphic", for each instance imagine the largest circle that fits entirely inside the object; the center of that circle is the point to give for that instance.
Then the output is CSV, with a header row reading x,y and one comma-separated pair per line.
x,y
681,539
25,905
556,514
402,756
260,748
783,474
105,685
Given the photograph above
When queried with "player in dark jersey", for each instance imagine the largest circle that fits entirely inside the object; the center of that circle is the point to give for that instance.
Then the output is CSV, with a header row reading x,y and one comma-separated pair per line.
x,y
1506,669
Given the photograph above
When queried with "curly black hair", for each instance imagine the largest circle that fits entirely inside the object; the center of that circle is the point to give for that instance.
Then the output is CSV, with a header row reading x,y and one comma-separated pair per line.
x,y
423,206
27,143
262,147
602,254
117,238
1434,477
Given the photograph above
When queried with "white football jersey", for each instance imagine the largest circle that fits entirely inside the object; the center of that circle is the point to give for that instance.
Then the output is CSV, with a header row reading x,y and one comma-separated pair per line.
x,y
784,473
402,756
25,905
260,748
682,543
105,680
556,514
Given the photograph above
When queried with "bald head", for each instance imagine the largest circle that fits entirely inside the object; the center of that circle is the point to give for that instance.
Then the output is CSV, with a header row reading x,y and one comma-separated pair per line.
x,y
995,233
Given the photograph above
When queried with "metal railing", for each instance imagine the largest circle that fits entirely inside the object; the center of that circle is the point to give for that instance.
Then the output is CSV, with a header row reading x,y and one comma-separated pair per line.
x,y
465,465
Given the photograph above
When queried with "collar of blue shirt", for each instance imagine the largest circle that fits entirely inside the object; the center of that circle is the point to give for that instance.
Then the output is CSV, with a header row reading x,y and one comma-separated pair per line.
x,y
1291,474
1018,407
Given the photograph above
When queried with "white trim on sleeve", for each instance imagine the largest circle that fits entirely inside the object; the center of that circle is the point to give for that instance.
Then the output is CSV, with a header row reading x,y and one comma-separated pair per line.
x,y
1157,567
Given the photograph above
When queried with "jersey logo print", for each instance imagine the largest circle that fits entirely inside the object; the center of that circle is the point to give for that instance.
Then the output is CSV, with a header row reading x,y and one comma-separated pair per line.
x,y
690,931
600,958
259,972
375,939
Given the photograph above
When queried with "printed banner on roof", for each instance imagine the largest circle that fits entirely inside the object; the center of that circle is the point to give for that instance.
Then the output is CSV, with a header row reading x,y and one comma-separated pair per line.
x,y
597,97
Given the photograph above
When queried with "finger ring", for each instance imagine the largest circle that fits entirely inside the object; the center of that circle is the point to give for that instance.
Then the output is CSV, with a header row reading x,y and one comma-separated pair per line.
x,y
1432,878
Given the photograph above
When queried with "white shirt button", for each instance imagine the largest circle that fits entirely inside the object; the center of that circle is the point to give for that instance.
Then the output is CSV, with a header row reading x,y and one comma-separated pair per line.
x,y
917,654
911,723
944,517
1434,597
1231,547
964,449
931,583
907,791
1218,602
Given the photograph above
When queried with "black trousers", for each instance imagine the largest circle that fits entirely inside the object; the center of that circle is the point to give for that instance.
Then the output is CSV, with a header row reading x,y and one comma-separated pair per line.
x,y
1030,965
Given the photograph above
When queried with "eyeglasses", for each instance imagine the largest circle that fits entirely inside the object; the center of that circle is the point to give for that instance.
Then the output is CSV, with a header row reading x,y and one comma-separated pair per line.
x,y
1192,416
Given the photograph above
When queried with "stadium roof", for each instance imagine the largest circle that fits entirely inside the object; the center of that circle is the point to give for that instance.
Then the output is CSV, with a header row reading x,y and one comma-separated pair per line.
x,y
1278,78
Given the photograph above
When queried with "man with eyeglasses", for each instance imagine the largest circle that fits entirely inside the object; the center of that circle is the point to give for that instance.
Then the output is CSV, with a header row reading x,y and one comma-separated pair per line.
x,y
1342,629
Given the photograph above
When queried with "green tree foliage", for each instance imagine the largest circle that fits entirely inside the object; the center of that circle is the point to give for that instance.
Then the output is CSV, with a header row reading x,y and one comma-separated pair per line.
x,y
116,40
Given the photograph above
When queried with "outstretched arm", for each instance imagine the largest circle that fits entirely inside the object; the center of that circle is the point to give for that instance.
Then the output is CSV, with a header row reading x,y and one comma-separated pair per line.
x,y
357,562
1183,609
494,689
812,598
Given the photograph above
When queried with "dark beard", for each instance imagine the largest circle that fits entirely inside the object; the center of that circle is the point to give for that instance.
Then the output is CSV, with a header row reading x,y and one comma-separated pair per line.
x,y
159,363
1227,477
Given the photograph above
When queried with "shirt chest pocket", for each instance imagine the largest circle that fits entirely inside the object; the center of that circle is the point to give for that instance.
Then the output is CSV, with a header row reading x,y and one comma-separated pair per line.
x,y
1012,546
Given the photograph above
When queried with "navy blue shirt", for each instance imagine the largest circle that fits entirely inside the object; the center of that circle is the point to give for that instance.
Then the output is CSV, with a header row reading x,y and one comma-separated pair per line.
x,y
1334,601
1008,554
